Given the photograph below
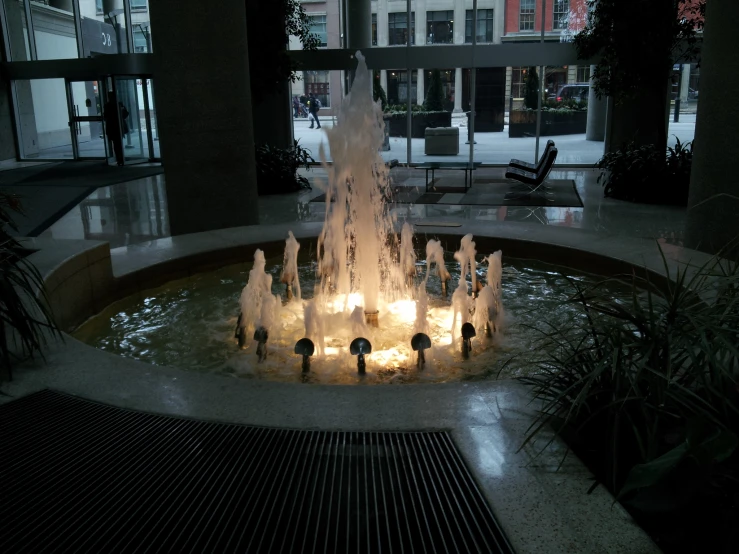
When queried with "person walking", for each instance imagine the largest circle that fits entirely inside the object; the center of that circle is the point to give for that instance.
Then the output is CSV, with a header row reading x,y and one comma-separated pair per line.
x,y
315,105
296,107
115,125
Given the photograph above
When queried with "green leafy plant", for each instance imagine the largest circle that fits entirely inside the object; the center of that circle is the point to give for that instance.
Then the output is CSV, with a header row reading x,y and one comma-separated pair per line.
x,y
26,320
646,174
647,391
435,95
531,89
277,168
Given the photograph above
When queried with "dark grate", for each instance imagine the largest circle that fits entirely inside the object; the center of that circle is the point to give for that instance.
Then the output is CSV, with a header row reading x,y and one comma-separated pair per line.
x,y
78,476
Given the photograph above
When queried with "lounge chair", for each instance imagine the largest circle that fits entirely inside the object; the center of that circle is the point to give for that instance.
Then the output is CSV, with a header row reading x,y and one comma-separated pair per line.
x,y
533,168
532,180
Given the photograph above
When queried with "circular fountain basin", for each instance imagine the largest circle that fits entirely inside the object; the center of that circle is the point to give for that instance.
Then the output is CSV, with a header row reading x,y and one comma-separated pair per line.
x,y
190,323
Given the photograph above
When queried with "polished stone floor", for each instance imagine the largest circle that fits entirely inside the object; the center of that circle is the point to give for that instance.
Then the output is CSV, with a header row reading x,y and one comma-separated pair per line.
x,y
136,212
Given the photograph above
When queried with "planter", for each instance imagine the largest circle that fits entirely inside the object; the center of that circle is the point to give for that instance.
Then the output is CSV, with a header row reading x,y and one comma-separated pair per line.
x,y
399,126
523,123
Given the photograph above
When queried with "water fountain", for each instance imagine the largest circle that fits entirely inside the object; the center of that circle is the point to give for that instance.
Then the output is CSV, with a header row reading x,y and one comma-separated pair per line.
x,y
367,272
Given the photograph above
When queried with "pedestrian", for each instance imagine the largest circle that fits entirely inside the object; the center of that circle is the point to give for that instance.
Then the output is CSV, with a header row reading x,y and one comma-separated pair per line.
x,y
115,125
296,106
314,106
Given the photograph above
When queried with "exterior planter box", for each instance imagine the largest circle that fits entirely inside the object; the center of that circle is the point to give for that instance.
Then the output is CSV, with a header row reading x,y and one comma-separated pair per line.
x,y
523,123
399,126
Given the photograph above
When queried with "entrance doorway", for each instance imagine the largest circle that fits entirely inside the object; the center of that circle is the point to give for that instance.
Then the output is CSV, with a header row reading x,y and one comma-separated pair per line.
x,y
85,101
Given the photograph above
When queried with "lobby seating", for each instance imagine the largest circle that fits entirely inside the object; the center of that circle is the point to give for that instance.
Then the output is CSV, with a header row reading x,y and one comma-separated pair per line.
x,y
532,180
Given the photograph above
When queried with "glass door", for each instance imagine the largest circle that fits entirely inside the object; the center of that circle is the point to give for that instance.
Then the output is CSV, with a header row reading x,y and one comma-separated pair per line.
x,y
129,91
85,104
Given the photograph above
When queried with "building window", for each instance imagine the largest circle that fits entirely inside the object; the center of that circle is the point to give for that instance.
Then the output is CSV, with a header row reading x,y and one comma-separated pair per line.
x,y
397,24
561,15
374,29
484,26
317,83
138,5
318,27
583,73
440,27
518,78
526,15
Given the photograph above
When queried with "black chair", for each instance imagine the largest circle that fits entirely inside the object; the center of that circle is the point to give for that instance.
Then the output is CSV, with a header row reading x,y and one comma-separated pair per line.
x,y
532,180
533,168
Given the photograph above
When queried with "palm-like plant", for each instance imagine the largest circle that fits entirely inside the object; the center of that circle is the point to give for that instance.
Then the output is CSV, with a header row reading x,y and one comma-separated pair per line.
x,y
25,317
649,388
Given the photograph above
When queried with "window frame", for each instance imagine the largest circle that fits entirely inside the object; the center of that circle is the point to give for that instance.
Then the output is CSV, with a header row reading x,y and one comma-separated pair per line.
x,y
530,12
448,18
311,17
393,26
489,20
563,15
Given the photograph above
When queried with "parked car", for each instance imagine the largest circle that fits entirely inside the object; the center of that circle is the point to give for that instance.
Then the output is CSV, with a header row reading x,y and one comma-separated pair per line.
x,y
577,92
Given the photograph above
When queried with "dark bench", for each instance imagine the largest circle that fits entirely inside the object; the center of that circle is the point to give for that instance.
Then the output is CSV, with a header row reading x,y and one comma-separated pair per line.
x,y
463,166
532,180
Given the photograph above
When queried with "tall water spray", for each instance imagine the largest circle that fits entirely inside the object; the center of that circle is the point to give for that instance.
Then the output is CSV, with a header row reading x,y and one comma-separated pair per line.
x,y
290,267
256,290
353,245
466,258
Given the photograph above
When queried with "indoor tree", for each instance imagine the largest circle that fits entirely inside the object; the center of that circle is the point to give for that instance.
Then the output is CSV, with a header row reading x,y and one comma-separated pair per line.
x,y
435,95
531,89
634,62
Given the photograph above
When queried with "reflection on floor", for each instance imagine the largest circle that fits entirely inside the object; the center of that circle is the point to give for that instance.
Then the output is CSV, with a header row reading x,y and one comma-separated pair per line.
x,y
136,212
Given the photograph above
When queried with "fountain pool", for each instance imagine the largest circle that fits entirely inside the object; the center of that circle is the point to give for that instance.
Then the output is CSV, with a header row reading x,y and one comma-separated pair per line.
x,y
190,324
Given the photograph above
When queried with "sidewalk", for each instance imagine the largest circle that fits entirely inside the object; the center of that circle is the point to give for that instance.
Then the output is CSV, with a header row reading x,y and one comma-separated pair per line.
x,y
491,148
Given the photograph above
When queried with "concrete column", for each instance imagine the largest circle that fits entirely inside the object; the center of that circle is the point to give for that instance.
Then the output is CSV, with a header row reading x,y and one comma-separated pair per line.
x,y
597,112
714,184
359,24
420,88
458,90
382,27
420,22
205,131
383,80
459,22
685,85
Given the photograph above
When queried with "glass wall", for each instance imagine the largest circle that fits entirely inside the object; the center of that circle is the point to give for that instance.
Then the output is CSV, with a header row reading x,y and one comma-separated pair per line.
x,y
63,29
44,130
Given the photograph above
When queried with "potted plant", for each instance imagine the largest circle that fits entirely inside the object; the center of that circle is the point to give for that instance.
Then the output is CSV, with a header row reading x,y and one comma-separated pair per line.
x,y
277,169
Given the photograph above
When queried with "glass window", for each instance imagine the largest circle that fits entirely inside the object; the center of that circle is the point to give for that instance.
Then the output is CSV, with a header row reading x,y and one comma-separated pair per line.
x,y
397,24
138,5
440,27
561,14
526,15
20,47
518,77
583,73
318,84
318,26
54,30
374,29
484,26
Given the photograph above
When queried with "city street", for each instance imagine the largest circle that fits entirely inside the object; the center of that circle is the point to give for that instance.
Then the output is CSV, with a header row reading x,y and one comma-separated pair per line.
x,y
491,148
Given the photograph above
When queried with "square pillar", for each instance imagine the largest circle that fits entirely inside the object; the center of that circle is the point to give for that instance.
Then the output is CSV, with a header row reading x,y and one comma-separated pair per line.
x,y
203,101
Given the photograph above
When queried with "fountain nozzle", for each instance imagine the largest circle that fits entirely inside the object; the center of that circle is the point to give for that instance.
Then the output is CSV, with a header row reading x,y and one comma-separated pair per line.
x,y
359,347
261,335
468,331
305,348
419,343
371,318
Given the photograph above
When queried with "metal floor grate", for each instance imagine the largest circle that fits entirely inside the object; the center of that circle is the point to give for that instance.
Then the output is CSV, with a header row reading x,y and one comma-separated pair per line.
x,y
78,476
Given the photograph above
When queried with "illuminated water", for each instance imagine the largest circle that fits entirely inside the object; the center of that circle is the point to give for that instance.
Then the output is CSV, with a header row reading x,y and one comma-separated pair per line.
x,y
190,324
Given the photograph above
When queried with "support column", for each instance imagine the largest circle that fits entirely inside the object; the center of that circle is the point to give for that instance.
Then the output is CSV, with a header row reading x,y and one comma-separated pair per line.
x,y
383,79
714,185
359,24
420,16
205,131
597,111
685,84
382,27
420,88
458,90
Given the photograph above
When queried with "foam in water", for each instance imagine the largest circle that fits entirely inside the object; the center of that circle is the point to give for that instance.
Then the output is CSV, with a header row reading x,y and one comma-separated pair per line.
x,y
290,267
